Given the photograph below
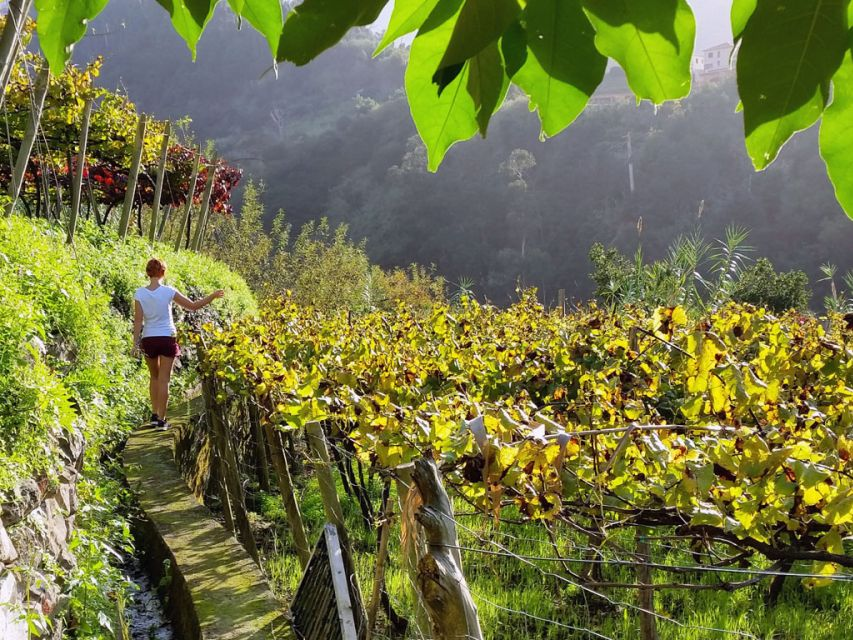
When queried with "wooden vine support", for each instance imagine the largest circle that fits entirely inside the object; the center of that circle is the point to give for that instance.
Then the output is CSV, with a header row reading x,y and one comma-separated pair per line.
x,y
41,87
132,177
161,179
331,503
288,495
77,184
205,205
188,205
10,40
165,218
441,582
648,623
379,573
233,501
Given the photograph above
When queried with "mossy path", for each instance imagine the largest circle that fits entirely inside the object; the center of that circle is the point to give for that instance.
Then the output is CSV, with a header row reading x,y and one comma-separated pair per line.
x,y
230,595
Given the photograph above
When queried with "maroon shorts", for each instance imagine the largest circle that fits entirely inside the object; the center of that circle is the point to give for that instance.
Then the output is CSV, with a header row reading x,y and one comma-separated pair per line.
x,y
157,346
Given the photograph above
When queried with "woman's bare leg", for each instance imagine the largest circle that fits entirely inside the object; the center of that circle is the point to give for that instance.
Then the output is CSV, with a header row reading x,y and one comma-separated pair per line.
x,y
154,382
163,385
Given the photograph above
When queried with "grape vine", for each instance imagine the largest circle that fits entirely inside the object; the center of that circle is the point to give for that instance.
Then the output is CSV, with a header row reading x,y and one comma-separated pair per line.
x,y
734,427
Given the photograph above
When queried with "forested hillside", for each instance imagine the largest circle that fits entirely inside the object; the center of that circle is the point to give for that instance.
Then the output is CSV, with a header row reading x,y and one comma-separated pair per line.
x,y
336,139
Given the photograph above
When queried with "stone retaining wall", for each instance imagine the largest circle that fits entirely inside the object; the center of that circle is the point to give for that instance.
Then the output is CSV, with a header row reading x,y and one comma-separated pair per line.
x,y
36,526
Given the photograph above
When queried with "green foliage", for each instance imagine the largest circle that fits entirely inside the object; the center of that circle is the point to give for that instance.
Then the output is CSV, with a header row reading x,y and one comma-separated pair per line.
x,y
263,15
320,267
651,39
760,285
61,24
190,17
836,134
804,43
695,274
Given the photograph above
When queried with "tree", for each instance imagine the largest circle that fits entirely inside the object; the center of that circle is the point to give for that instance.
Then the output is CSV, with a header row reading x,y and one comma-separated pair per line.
x,y
794,66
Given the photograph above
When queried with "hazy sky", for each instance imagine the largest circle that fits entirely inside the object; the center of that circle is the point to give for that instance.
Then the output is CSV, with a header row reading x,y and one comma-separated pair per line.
x,y
712,18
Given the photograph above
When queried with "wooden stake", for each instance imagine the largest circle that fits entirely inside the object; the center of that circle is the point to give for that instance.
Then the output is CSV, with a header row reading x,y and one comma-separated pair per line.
x,y
166,212
161,178
132,177
42,84
205,205
288,495
10,41
262,470
77,185
232,479
189,203
441,582
561,300
648,624
379,573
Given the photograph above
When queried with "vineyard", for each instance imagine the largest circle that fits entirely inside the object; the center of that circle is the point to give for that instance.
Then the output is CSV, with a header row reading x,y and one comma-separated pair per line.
x,y
653,453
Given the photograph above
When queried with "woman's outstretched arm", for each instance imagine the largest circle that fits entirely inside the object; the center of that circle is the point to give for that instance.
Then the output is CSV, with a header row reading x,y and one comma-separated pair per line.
x,y
195,305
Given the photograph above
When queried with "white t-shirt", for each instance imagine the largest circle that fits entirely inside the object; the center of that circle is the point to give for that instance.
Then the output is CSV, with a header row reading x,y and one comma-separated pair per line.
x,y
156,311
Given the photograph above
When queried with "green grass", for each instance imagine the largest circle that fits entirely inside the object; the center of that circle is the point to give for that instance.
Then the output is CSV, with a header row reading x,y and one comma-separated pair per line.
x,y
503,585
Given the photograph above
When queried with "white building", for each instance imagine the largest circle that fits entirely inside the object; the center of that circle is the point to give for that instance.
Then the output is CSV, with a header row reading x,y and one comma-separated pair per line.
x,y
716,59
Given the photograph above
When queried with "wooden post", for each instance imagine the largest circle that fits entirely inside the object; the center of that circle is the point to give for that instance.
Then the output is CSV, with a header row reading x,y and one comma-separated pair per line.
x,y
323,469
561,301
189,203
166,212
648,624
329,493
262,464
132,177
218,448
379,573
77,185
232,479
10,41
161,178
42,84
205,205
441,581
288,495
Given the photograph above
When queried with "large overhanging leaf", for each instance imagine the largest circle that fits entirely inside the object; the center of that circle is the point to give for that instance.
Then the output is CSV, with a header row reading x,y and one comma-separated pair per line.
x,y
836,134
741,12
316,25
563,68
189,18
652,40
789,53
263,15
479,24
487,84
446,117
407,16
61,23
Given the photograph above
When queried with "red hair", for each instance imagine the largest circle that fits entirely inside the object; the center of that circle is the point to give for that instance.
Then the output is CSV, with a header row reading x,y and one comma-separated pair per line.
x,y
155,268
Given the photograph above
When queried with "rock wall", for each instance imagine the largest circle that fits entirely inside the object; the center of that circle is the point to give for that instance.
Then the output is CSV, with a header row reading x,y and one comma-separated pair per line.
x,y
36,526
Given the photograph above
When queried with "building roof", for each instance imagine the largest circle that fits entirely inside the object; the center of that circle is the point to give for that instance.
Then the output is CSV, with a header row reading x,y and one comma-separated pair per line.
x,y
724,45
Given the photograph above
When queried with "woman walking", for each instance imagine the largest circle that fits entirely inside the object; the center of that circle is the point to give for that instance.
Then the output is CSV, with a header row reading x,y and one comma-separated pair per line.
x,y
154,333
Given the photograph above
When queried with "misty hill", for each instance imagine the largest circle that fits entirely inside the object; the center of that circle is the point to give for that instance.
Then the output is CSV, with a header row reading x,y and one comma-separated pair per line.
x,y
335,139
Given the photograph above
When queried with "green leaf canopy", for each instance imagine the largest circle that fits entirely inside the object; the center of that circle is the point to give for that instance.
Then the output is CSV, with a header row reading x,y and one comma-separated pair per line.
x,y
61,24
563,68
189,18
789,53
652,40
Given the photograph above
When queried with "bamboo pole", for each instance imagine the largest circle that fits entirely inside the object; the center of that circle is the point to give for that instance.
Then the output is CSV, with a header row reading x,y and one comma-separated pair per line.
x,y
205,205
77,185
41,87
161,178
10,40
189,203
132,177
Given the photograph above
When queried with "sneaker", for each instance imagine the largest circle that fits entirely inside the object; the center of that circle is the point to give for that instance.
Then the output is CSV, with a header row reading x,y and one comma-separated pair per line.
x,y
163,425
154,419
